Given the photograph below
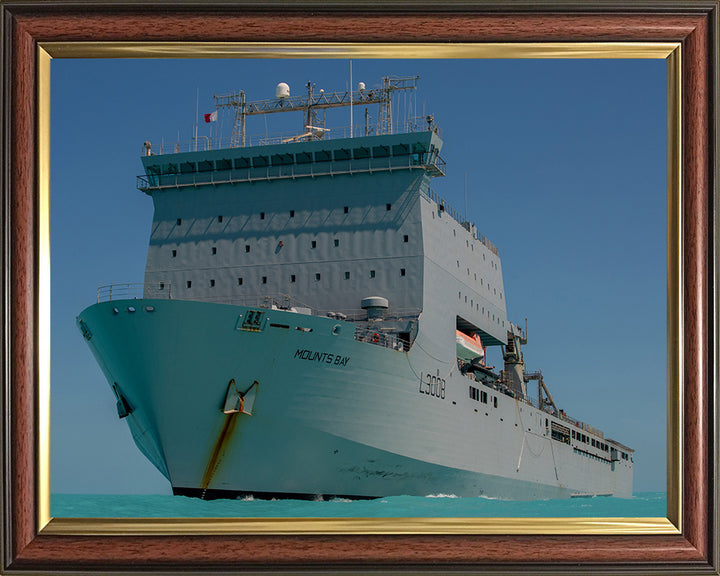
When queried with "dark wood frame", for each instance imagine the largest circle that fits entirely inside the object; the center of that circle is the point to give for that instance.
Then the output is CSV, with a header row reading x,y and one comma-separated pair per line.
x,y
26,24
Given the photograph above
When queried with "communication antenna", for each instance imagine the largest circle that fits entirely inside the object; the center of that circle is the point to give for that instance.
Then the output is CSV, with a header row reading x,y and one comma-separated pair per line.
x,y
311,103
466,197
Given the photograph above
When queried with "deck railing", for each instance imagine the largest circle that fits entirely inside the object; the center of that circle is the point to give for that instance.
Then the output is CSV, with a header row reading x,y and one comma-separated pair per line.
x,y
134,291
203,143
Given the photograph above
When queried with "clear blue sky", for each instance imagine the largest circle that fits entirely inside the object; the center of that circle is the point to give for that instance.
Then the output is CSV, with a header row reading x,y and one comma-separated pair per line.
x,y
565,164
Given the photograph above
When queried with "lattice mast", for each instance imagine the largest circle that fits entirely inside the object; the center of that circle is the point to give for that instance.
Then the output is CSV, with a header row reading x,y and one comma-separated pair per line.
x,y
311,103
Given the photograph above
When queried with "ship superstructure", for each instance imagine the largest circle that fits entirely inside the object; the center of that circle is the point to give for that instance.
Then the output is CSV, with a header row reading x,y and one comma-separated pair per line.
x,y
314,320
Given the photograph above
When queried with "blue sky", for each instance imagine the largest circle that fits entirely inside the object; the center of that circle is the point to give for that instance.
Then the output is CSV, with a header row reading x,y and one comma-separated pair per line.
x,y
565,166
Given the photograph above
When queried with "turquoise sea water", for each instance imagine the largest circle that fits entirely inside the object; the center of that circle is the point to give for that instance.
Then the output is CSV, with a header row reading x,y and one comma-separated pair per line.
x,y
641,505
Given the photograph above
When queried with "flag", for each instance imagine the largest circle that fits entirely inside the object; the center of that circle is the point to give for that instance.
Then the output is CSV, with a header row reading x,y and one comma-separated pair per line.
x,y
212,117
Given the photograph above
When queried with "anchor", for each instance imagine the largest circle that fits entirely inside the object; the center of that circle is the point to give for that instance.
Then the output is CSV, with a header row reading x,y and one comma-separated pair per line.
x,y
240,402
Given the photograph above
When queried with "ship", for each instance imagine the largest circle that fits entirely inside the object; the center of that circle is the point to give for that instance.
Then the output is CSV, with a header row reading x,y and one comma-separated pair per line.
x,y
315,320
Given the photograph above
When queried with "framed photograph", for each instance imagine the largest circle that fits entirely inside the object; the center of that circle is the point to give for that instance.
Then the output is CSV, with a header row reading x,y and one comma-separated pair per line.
x,y
38,33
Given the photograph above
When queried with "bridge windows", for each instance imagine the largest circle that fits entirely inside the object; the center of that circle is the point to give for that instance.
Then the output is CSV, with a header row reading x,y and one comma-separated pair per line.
x,y
406,238
264,279
402,271
240,281
372,273
213,250
189,284
313,244
174,253
292,278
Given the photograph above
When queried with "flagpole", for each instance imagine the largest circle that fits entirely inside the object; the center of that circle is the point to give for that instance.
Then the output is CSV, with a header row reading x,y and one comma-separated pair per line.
x,y
197,114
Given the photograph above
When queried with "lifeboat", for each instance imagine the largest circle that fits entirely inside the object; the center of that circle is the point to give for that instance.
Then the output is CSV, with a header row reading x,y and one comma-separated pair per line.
x,y
469,347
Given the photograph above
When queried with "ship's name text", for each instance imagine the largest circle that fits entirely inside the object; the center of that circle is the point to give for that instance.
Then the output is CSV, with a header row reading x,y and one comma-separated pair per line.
x,y
432,385
327,358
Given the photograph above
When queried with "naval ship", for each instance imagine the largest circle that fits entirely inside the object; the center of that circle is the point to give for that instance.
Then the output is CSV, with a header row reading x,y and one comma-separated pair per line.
x,y
314,322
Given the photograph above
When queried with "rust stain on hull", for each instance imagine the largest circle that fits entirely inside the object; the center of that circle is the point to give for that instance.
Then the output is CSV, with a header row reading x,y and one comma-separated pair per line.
x,y
219,448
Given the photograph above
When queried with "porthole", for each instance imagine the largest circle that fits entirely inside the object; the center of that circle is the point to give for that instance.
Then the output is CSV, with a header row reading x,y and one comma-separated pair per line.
x,y
131,309
149,309
116,311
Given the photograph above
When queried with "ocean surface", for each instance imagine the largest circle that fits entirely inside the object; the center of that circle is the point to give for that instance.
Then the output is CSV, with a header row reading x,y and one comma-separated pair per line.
x,y
641,505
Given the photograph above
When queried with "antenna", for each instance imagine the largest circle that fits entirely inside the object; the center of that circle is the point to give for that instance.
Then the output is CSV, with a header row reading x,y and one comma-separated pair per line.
x,y
311,103
465,197
197,115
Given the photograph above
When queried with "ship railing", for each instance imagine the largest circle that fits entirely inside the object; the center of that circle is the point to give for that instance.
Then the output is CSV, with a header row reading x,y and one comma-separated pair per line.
x,y
286,302
444,206
134,291
430,162
204,143
379,338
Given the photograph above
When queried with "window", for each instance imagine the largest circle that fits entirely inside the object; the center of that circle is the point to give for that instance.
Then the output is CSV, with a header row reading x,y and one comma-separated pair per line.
x,y
346,209
495,401
372,273
264,279
317,276
214,250
292,278
388,206
212,283
336,242
292,213
406,238
162,286
219,218
239,281
247,247
189,283
179,221
402,271
347,275
313,244
174,253
483,397
262,215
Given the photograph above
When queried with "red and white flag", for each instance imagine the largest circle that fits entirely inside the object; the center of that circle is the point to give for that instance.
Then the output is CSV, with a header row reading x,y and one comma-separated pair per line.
x,y
212,117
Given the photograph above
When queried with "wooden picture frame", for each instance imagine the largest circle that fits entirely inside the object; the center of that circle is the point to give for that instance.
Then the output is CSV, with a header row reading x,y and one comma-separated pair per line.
x,y
34,32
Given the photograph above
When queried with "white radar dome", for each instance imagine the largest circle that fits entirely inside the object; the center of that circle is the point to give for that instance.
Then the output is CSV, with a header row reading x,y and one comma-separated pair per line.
x,y
361,86
282,90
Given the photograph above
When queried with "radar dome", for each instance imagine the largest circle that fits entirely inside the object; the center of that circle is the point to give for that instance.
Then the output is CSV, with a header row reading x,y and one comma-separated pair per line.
x,y
282,90
361,86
